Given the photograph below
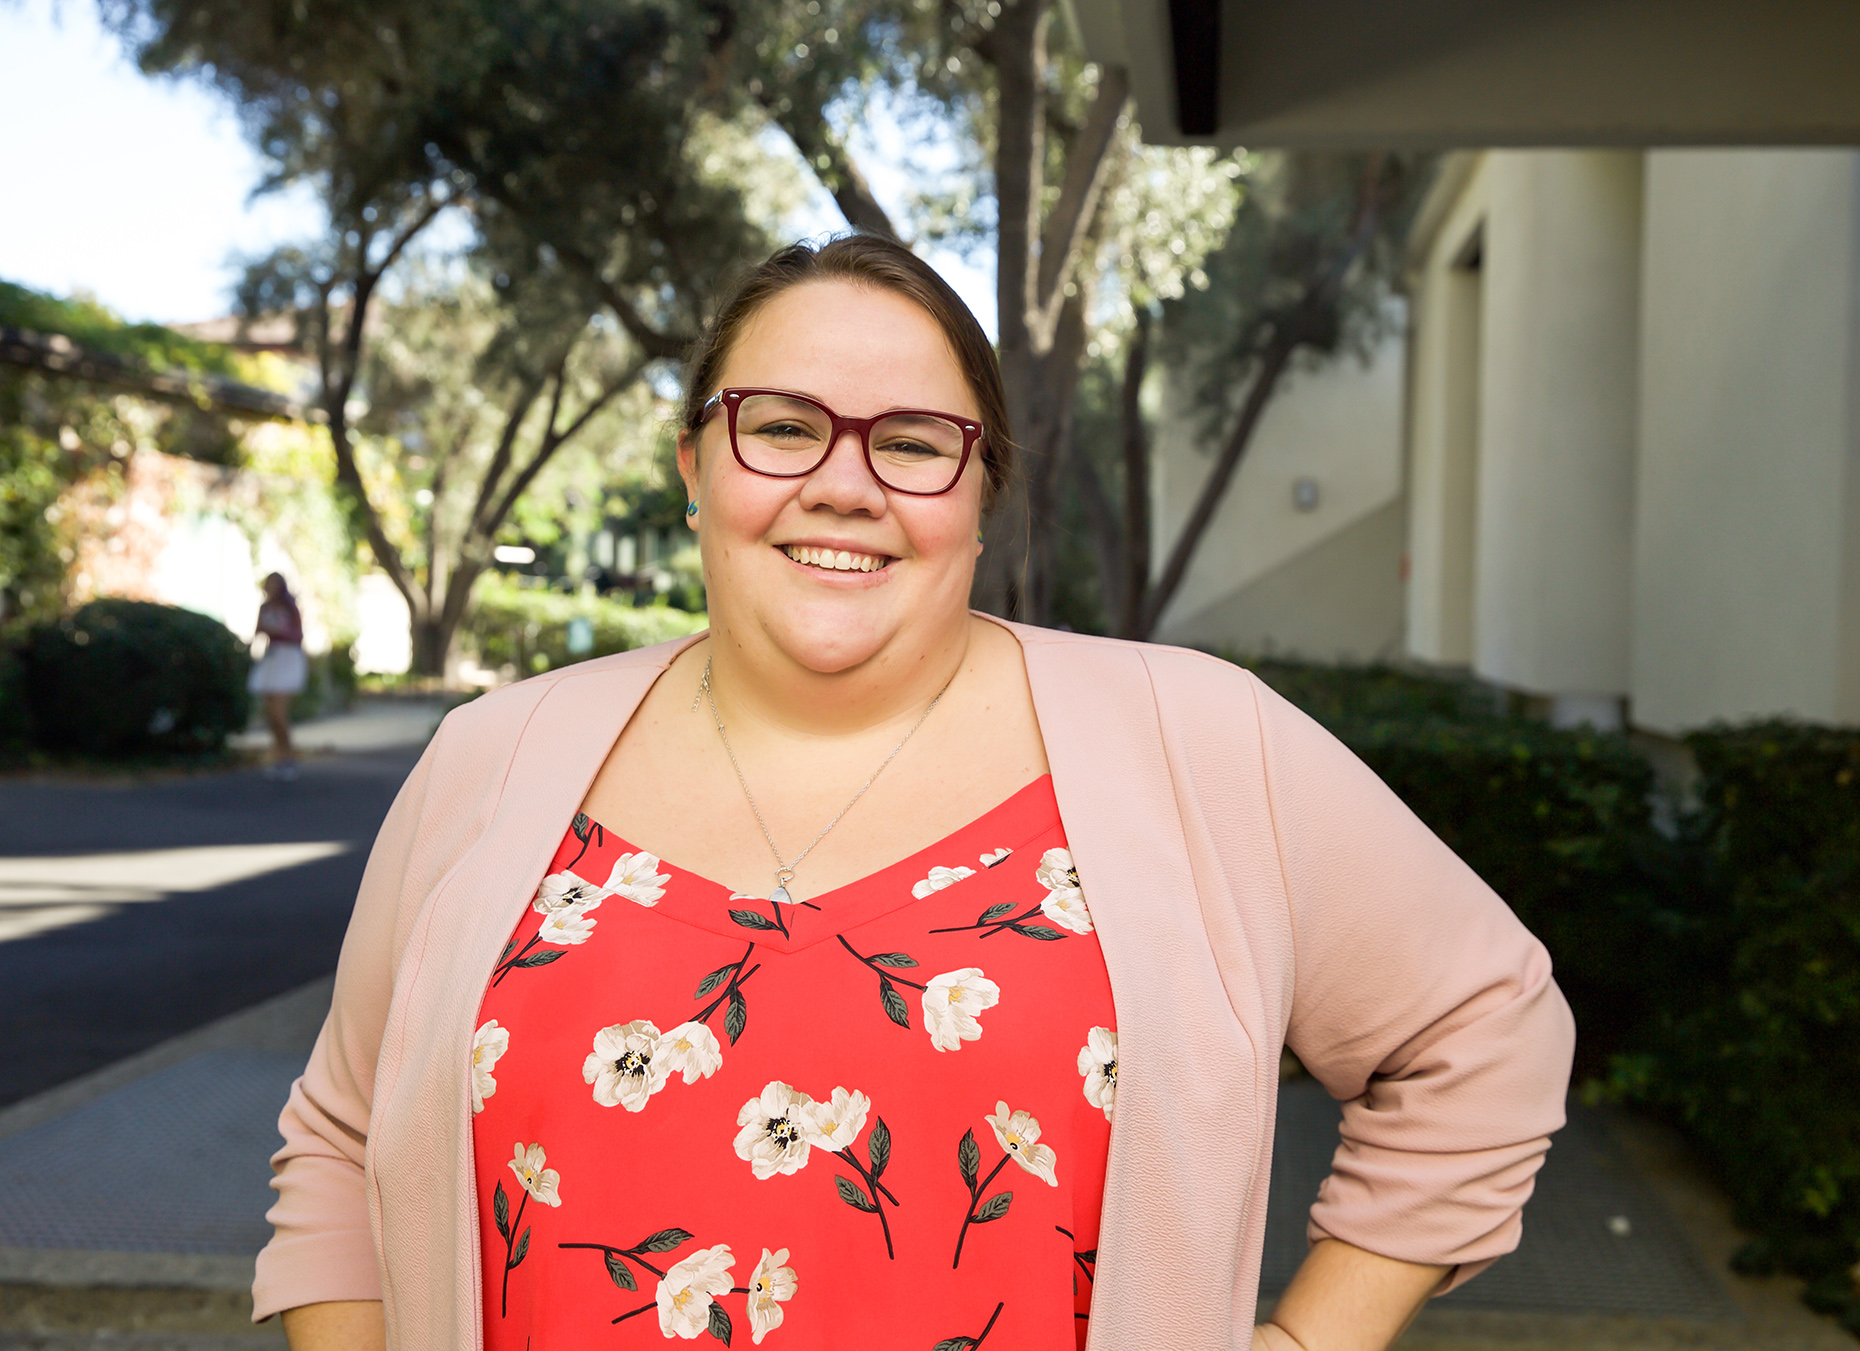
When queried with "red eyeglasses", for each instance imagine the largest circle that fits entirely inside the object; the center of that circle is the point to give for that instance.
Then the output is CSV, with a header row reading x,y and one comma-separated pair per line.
x,y
780,434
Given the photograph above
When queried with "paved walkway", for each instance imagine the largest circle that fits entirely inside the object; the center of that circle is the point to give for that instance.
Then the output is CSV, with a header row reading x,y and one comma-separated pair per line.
x,y
372,724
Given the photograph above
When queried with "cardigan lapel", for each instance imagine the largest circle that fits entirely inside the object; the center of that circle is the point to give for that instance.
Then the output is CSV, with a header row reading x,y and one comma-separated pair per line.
x,y
1188,1084
566,738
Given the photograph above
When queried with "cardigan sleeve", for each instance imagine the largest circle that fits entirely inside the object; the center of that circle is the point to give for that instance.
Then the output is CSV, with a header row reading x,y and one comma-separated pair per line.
x,y
1420,1002
322,1246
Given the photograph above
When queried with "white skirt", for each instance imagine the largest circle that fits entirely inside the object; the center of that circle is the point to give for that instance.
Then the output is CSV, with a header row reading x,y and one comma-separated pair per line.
x,y
282,670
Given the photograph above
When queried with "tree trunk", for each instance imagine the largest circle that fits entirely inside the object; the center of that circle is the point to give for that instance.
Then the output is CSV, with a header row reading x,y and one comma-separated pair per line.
x,y
1134,593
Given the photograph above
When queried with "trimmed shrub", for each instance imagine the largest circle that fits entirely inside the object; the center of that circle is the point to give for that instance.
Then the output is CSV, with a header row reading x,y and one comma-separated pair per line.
x,y
528,628
126,677
1758,1064
1714,973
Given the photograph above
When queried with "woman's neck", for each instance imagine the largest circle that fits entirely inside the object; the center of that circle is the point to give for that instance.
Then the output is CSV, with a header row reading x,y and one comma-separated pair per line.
x,y
765,691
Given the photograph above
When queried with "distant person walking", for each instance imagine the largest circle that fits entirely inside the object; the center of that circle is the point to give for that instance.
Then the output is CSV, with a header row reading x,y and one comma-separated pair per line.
x,y
280,675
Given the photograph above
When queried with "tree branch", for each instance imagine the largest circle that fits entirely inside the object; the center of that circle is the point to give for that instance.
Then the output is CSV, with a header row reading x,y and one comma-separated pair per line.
x,y
1088,168
1107,535
1136,447
1020,140
664,346
815,140
527,393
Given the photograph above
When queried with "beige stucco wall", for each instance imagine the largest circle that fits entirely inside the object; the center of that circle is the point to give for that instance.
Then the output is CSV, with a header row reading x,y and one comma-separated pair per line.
x,y
1746,574
1558,337
1338,424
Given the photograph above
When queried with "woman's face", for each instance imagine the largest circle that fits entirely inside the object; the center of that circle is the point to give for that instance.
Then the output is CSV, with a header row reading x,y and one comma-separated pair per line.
x,y
860,351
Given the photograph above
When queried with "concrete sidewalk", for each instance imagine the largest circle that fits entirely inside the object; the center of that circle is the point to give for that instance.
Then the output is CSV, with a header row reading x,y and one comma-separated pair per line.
x,y
137,1195
372,723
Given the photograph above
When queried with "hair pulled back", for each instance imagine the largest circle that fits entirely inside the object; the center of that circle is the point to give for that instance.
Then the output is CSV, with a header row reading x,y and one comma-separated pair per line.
x,y
866,260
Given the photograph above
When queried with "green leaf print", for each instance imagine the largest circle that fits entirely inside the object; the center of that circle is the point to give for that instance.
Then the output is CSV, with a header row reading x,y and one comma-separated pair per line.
x,y
993,912
957,1344
720,1324
619,1273
994,1207
581,825
879,1146
1039,931
969,1158
895,1008
538,958
749,919
663,1241
713,980
893,959
854,1195
736,1017
500,1212
521,1251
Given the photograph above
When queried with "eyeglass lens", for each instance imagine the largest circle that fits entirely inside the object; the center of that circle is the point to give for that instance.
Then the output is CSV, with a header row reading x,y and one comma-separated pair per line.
x,y
912,452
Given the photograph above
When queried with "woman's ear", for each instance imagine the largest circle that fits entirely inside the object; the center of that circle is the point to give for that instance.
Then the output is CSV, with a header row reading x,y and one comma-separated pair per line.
x,y
688,471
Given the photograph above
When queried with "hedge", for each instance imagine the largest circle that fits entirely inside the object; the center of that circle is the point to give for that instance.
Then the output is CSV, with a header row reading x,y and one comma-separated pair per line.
x,y
1714,969
528,627
128,677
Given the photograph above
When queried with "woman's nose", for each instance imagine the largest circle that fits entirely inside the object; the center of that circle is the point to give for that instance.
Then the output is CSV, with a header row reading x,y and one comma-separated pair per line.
x,y
843,480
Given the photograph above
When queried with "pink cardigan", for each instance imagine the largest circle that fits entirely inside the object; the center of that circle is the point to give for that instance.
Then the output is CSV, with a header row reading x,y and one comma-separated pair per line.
x,y
1254,885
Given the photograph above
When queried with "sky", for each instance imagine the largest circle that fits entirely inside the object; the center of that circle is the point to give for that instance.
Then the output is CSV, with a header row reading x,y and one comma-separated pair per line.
x,y
138,191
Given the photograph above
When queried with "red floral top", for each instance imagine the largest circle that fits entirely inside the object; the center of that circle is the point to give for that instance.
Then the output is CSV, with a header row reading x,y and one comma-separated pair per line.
x,y
876,1121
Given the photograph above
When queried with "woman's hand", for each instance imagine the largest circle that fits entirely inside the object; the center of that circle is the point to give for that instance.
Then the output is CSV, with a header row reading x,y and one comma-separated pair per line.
x,y
348,1325
1346,1299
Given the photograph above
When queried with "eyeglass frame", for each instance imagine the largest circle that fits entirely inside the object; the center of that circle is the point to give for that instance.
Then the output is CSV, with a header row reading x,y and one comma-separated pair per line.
x,y
731,400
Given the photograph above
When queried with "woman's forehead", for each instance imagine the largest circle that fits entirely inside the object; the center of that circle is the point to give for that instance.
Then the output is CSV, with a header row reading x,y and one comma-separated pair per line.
x,y
838,339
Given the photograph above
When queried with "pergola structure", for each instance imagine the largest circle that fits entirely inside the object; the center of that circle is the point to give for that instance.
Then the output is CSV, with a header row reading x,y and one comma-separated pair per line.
x,y
1435,74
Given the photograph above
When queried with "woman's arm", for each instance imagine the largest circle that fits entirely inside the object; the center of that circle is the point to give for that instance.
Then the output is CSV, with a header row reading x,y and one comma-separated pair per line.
x,y
350,1325
1346,1299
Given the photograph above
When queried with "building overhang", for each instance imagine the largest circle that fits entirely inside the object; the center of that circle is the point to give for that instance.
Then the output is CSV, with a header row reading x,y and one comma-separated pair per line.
x,y
1436,74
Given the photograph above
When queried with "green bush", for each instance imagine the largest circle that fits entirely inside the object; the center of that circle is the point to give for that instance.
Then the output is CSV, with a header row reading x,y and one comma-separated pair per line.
x,y
528,627
1714,970
1759,1063
126,677
15,706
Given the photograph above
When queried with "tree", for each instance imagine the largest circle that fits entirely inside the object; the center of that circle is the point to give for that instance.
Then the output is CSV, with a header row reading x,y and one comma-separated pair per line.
x,y
1306,270
559,134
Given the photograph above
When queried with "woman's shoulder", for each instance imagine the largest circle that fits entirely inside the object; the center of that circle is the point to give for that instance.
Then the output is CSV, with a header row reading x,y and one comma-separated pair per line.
x,y
1169,672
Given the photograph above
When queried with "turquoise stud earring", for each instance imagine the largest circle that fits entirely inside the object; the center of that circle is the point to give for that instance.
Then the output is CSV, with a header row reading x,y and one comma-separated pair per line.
x,y
691,510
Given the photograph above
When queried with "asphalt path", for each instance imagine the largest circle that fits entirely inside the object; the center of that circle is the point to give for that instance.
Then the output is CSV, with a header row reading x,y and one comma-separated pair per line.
x,y
79,997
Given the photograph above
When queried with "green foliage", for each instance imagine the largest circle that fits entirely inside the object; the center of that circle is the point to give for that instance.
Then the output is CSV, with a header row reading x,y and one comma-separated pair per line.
x,y
92,325
33,471
127,677
1714,972
527,627
1759,1063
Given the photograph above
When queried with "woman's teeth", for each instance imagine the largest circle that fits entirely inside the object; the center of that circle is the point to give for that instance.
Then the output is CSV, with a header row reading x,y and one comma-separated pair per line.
x,y
835,560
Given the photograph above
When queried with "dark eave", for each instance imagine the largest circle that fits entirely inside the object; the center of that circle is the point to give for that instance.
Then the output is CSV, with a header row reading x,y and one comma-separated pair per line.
x,y
1445,73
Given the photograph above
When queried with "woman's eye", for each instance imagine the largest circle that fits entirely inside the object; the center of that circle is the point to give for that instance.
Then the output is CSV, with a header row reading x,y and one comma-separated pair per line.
x,y
910,449
785,431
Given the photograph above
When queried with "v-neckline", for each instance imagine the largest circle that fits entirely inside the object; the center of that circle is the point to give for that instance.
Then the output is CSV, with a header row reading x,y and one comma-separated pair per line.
x,y
691,898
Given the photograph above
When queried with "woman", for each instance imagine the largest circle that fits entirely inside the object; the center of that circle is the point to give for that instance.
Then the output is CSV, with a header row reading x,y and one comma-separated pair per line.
x,y
279,676
935,881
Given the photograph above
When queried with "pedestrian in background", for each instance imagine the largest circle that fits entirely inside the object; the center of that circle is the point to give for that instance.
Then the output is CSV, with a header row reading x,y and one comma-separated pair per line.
x,y
280,675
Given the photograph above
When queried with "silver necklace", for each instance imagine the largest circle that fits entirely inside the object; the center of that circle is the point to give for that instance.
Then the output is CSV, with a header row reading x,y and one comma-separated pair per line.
x,y
784,872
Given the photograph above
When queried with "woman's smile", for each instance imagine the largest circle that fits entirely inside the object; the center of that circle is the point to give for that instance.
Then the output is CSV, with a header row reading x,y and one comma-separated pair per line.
x,y
817,558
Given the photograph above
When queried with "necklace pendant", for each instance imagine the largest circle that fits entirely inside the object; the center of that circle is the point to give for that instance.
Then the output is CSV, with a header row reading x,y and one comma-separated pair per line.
x,y
780,896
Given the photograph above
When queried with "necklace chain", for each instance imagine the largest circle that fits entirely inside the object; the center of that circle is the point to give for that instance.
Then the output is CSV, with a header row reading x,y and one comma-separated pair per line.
x,y
784,872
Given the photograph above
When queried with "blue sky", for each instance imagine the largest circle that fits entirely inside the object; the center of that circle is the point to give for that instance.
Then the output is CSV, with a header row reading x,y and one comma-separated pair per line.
x,y
138,191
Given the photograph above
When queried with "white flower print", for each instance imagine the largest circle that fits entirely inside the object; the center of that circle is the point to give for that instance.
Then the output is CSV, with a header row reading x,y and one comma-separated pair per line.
x,y
769,1285
564,891
1065,902
692,1048
542,1183
636,877
940,878
690,1287
990,859
775,1127
836,1123
624,1066
568,926
952,1002
1019,1135
1098,1063
488,1045
1067,910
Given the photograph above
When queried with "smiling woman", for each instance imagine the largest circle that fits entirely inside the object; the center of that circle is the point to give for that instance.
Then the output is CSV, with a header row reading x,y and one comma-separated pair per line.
x,y
1104,883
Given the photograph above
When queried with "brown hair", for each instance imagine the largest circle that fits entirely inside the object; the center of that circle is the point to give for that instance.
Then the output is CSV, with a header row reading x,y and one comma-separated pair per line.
x,y
871,261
